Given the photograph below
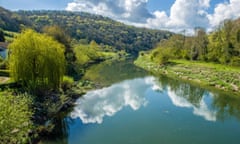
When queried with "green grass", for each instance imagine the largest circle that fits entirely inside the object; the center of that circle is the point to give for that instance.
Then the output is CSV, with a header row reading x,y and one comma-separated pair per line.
x,y
226,78
218,67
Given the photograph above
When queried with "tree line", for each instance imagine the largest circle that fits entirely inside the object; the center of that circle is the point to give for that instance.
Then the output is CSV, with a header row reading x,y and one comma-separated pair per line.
x,y
220,46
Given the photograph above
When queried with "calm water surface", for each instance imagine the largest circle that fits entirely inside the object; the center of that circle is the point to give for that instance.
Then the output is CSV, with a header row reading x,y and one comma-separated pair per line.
x,y
152,110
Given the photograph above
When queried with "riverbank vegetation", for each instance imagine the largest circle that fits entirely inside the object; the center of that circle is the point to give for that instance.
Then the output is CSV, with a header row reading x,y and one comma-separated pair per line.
x,y
15,118
207,59
43,68
220,46
207,75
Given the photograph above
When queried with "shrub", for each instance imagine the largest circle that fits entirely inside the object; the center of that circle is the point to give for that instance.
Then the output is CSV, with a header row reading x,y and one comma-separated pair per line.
x,y
67,83
15,118
235,61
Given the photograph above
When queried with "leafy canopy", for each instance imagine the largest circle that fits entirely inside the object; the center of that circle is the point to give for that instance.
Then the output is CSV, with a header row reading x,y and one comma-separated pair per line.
x,y
36,60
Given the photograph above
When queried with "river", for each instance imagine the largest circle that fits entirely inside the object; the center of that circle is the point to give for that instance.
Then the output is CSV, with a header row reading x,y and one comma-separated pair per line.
x,y
135,107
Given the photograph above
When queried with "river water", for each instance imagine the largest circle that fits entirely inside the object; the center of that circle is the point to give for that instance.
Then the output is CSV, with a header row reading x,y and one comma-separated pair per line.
x,y
137,108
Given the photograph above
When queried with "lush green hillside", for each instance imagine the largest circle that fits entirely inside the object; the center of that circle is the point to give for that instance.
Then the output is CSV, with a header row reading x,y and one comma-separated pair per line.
x,y
86,26
98,28
11,21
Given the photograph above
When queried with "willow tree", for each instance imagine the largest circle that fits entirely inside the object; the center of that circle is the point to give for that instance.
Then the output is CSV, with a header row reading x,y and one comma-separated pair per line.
x,y
36,60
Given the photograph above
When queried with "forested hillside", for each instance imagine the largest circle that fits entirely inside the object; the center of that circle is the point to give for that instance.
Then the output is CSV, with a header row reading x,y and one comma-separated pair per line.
x,y
98,28
11,21
87,27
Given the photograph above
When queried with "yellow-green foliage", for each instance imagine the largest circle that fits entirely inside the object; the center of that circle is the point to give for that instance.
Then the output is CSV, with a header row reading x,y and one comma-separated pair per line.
x,y
68,79
161,55
15,118
9,35
81,54
86,53
36,60
58,34
67,82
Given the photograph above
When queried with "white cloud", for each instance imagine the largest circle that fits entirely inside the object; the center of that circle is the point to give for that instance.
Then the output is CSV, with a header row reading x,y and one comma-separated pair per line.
x,y
184,14
227,10
160,20
97,104
125,10
205,3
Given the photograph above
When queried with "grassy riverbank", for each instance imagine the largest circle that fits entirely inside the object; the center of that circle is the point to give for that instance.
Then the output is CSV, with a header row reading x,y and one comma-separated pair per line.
x,y
222,77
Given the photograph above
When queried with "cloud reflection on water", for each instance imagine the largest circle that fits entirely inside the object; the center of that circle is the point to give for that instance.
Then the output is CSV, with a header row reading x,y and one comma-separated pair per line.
x,y
107,101
97,104
202,110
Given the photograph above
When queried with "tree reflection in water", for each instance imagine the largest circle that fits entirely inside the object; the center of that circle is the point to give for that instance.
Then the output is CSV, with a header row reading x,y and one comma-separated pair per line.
x,y
60,132
182,94
227,106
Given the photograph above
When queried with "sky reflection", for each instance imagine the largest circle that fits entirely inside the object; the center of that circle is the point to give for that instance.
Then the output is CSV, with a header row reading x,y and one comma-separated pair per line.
x,y
201,110
97,104
108,101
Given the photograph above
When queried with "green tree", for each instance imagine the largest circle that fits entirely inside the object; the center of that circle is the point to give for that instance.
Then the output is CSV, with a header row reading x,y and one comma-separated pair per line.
x,y
214,47
162,53
188,47
238,41
221,43
62,37
176,43
37,61
58,34
161,57
200,44
15,118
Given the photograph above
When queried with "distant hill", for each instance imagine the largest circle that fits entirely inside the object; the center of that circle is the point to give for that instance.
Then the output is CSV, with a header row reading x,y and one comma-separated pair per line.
x,y
80,25
12,21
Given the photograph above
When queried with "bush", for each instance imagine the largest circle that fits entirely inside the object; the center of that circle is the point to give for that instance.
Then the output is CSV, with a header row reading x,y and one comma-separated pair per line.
x,y
15,118
235,61
67,83
161,55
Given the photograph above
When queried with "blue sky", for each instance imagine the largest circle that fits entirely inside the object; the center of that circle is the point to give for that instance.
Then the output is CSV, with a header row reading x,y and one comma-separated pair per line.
x,y
152,5
62,4
173,15
34,4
